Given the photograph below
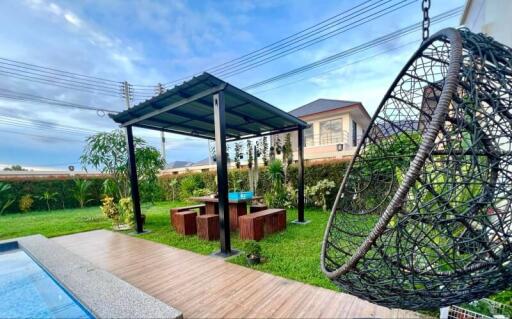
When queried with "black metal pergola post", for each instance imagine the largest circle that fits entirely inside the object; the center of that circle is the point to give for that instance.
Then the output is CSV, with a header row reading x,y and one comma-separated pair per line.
x,y
134,181
219,110
300,178
300,182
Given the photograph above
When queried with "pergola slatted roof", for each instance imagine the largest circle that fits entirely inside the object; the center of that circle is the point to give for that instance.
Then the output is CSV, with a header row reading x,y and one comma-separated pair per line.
x,y
187,109
210,108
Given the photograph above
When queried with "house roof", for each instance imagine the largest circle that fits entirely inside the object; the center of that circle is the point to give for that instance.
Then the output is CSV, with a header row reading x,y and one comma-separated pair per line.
x,y
321,105
188,109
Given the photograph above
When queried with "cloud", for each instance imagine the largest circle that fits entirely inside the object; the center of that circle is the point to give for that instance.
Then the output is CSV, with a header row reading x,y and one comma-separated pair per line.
x,y
146,42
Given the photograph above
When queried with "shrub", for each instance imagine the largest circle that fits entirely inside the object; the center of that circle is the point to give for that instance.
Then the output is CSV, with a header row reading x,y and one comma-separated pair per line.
x,y
110,210
189,184
126,211
26,202
252,249
320,193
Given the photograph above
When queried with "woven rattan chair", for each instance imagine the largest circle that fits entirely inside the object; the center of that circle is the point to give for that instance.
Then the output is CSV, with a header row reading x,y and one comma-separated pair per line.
x,y
423,217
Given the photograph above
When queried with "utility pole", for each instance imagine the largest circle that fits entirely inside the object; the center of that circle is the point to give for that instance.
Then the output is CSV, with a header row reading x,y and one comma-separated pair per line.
x,y
127,93
161,90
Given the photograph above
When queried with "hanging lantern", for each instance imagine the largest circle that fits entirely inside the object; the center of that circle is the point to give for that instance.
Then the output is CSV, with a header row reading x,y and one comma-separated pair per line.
x,y
423,216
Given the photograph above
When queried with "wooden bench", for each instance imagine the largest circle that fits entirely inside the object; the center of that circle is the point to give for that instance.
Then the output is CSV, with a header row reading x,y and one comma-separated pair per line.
x,y
208,227
254,208
255,226
185,222
201,208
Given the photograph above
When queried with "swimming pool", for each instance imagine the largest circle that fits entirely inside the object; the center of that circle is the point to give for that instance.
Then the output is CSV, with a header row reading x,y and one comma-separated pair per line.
x,y
27,291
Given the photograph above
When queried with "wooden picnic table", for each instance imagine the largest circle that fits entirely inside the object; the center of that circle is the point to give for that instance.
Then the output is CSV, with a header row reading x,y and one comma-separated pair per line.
x,y
237,207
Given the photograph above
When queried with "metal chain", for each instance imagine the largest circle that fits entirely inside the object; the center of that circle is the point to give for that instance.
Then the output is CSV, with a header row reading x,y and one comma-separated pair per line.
x,y
426,19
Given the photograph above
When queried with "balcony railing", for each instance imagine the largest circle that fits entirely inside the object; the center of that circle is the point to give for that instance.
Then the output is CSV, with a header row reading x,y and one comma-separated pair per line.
x,y
326,139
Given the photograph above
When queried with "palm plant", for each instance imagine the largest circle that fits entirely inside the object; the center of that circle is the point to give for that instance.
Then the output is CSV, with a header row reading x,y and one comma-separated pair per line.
x,y
82,191
48,197
5,200
276,174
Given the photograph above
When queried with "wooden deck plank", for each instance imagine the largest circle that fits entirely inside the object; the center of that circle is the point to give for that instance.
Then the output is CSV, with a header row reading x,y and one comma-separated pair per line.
x,y
204,286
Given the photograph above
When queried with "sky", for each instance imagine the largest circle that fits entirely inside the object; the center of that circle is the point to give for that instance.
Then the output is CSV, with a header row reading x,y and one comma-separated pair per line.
x,y
150,42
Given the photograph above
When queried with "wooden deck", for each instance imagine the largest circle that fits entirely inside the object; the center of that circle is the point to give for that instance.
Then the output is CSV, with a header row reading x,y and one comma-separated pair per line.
x,y
203,286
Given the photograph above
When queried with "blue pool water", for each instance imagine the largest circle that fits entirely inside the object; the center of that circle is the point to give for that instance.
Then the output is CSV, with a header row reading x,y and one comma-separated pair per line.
x,y
27,291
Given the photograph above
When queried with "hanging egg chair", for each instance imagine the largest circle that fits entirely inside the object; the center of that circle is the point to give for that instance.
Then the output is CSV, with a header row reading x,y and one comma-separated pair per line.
x,y
423,216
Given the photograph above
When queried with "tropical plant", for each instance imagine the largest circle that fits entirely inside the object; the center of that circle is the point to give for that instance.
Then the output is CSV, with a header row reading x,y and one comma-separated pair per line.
x,y
291,197
277,195
82,191
275,172
320,193
48,197
238,154
126,211
264,150
108,153
109,188
252,249
287,150
173,185
110,210
26,202
6,199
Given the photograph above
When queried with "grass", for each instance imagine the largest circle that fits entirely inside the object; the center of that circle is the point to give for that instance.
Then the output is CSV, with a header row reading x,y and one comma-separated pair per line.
x,y
52,223
294,254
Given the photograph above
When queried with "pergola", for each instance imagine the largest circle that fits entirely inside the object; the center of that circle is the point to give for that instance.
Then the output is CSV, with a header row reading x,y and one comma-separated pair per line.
x,y
210,108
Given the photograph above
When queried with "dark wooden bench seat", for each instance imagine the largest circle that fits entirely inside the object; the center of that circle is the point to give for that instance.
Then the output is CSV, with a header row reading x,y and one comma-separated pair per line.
x,y
256,225
185,222
258,207
201,208
208,227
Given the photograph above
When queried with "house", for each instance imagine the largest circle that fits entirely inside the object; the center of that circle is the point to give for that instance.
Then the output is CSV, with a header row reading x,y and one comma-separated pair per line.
x,y
336,128
489,17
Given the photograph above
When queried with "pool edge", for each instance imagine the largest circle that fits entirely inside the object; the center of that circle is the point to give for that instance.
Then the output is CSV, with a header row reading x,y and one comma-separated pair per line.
x,y
101,292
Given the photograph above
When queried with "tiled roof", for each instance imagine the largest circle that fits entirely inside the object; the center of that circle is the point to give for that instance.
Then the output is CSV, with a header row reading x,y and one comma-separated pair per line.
x,y
320,105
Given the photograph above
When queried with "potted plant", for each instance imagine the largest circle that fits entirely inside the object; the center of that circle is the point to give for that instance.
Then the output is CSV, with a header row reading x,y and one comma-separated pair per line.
x,y
253,253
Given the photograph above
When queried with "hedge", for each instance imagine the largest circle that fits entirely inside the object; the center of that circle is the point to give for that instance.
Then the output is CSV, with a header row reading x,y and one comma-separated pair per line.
x,y
62,186
313,172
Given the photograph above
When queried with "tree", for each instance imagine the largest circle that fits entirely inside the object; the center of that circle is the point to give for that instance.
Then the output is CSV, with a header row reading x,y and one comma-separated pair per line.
x,y
81,191
16,168
48,197
108,153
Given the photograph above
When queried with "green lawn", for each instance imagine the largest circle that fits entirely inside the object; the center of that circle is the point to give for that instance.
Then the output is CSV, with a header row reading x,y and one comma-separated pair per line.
x,y
293,254
53,223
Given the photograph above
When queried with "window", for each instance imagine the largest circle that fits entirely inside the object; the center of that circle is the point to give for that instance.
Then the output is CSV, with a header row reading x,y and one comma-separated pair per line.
x,y
309,137
331,132
354,133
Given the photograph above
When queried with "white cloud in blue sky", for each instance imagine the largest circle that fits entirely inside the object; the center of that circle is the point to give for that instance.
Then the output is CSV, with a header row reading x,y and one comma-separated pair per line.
x,y
146,42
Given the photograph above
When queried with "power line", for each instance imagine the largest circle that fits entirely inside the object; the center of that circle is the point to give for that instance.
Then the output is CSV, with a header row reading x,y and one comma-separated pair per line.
x,y
305,35
39,124
354,50
277,54
50,138
298,36
339,67
63,73
9,94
